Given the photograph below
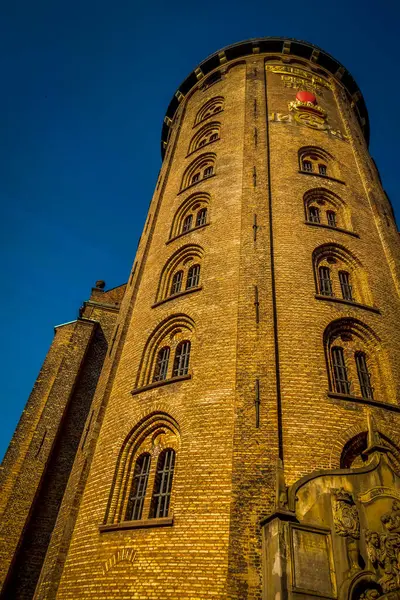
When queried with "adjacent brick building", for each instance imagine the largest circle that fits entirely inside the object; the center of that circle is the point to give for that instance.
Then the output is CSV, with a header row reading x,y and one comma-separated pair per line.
x,y
226,424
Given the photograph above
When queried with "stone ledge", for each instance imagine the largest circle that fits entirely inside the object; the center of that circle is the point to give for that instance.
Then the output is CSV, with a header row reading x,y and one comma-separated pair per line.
x,y
322,176
332,228
360,400
140,524
186,232
155,384
178,295
348,303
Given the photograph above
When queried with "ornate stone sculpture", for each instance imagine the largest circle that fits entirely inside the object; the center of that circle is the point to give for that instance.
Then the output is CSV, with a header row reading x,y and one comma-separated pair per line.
x,y
384,549
345,514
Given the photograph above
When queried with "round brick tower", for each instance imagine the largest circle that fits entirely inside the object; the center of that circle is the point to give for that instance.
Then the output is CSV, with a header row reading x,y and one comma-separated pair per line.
x,y
257,344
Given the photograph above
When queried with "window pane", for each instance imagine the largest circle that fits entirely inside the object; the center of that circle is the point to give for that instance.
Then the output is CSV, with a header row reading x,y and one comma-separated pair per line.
x,y
193,277
139,485
314,214
161,370
177,282
208,171
344,279
307,165
322,169
331,216
201,217
325,283
187,223
340,378
363,375
163,484
195,177
181,362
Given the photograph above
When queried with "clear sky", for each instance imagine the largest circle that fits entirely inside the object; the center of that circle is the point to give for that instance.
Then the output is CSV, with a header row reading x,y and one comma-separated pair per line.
x,y
84,89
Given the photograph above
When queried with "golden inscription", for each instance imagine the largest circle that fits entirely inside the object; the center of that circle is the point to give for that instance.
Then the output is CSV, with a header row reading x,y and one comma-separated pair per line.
x,y
297,75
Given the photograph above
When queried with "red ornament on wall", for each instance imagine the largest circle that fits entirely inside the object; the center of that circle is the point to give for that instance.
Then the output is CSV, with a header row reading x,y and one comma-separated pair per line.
x,y
304,96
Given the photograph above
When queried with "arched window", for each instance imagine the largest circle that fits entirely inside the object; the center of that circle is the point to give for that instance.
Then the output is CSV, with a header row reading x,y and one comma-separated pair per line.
x,y
313,214
177,282
353,451
358,364
193,277
325,283
318,161
182,356
175,332
364,376
340,376
331,218
348,279
209,109
161,369
176,270
201,168
332,210
201,218
345,285
206,135
187,223
192,213
139,487
145,491
163,484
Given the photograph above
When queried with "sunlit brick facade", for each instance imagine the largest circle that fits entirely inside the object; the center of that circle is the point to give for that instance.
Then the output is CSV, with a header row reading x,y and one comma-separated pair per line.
x,y
167,446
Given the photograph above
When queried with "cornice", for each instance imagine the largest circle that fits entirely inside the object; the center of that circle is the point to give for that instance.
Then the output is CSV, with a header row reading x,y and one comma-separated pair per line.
x,y
268,45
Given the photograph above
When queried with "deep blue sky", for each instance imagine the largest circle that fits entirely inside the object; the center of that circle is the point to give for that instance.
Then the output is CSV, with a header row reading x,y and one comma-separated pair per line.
x,y
84,88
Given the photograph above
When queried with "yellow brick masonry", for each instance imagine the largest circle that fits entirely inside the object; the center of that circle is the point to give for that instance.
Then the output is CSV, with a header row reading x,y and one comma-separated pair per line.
x,y
225,477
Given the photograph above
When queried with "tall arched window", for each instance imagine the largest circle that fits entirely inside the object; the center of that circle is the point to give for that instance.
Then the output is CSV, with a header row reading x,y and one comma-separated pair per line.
x,y
364,376
146,490
179,269
187,223
175,332
331,218
201,217
139,487
358,364
193,278
182,356
345,285
340,376
161,370
163,484
325,283
332,210
313,214
347,278
192,213
176,284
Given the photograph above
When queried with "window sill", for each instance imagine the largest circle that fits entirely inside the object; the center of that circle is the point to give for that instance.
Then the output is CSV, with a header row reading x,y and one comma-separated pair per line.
x,y
348,303
186,232
332,228
360,400
141,524
184,293
201,147
322,176
196,183
156,384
